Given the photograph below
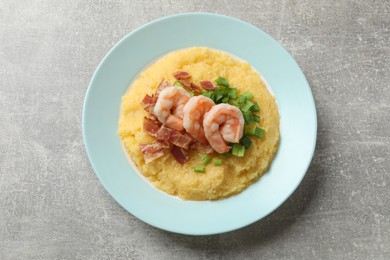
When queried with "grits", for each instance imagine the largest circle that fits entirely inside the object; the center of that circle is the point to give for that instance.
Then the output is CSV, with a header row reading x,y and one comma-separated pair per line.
x,y
165,173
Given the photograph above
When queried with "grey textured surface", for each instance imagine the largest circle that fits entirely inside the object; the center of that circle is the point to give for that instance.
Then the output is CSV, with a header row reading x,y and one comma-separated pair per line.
x,y
53,207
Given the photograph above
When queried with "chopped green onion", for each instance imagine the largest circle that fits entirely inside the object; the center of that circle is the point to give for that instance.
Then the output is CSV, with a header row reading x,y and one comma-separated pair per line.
x,y
199,169
178,84
225,99
248,131
218,95
256,118
232,92
247,106
222,82
248,95
241,99
205,159
224,155
217,162
224,91
238,150
209,94
259,132
246,142
255,107
233,103
248,117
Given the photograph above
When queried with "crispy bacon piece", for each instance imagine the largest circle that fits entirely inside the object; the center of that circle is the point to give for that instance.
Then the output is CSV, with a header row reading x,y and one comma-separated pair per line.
x,y
151,126
148,102
153,151
163,85
195,87
190,86
153,117
180,154
181,75
185,83
164,133
180,140
207,85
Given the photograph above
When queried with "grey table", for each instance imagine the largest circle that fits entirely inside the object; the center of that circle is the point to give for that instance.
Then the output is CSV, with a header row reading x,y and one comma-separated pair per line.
x,y
53,207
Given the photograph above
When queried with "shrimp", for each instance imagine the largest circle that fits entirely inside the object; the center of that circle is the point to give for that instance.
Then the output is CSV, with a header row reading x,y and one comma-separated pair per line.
x,y
193,113
223,124
169,107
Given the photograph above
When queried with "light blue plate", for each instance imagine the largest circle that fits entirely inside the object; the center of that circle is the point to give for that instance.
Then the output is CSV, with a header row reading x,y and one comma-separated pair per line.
x,y
141,47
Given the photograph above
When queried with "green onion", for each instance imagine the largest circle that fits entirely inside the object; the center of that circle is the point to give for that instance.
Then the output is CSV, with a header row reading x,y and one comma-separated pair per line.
x,y
248,131
199,169
178,84
222,82
248,95
241,99
259,132
247,106
256,118
224,155
217,162
233,103
238,150
224,91
209,94
246,142
255,107
205,159
248,117
218,95
232,92
225,99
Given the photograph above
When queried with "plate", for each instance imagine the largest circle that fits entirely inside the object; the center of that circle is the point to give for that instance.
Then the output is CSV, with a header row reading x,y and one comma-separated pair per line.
x,y
149,42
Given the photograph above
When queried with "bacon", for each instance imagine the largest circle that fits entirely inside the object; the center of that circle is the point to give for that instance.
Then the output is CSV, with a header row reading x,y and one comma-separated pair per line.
x,y
148,102
207,85
195,87
185,83
181,75
190,86
164,133
179,154
153,151
174,137
194,145
163,85
180,140
153,117
151,126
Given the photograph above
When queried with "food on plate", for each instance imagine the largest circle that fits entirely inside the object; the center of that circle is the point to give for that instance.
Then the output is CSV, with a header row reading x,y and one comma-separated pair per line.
x,y
206,127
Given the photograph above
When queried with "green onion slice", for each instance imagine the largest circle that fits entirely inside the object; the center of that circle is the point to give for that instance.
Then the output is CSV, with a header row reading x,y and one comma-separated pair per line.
x,y
247,106
222,82
248,95
199,169
248,117
238,150
246,142
205,159
217,162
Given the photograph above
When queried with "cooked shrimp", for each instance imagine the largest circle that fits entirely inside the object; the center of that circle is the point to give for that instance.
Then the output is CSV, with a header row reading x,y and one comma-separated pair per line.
x,y
223,124
193,114
169,107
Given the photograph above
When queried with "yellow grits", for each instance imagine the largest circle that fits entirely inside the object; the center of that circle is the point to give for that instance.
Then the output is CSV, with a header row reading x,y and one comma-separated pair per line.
x,y
217,182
